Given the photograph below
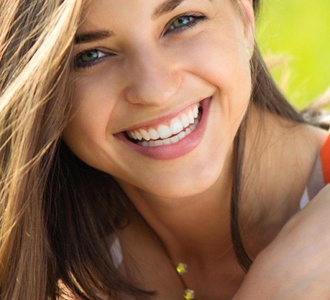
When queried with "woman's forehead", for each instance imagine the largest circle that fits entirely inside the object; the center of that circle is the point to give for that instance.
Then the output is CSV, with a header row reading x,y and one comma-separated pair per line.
x,y
155,7
98,11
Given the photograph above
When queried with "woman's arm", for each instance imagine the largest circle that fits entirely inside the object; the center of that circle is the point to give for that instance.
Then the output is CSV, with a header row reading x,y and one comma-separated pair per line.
x,y
296,265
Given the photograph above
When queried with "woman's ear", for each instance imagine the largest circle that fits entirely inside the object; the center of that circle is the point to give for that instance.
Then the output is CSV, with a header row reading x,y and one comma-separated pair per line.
x,y
246,7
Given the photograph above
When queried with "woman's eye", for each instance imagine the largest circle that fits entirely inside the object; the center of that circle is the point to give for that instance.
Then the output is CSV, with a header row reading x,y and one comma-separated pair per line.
x,y
88,58
184,22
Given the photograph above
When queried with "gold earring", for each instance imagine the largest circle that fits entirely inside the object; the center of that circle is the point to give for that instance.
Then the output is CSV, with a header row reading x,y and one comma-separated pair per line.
x,y
248,52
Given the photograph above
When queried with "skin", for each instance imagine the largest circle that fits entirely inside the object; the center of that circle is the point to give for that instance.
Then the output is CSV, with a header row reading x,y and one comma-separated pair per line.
x,y
148,72
154,75
302,244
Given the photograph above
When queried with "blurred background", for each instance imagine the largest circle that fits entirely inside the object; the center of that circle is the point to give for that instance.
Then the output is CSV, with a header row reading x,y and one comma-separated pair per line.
x,y
294,37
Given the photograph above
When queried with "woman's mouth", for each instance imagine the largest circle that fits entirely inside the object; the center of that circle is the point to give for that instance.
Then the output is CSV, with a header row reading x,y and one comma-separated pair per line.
x,y
170,138
167,133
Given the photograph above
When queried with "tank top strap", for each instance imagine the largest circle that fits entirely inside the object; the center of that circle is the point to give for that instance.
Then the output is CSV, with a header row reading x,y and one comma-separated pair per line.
x,y
320,174
325,159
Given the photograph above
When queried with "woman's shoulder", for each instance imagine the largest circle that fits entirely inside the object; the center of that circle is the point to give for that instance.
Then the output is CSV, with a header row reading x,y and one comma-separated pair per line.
x,y
302,162
285,159
316,134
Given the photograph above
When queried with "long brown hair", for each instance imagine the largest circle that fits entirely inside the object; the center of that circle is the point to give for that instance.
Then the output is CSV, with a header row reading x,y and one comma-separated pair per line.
x,y
266,96
35,38
55,210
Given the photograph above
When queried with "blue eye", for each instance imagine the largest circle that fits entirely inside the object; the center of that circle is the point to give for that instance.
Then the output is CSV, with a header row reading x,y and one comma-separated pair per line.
x,y
184,22
88,58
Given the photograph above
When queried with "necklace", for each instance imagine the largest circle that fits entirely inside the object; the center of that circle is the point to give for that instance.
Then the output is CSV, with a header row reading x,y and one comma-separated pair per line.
x,y
189,294
180,269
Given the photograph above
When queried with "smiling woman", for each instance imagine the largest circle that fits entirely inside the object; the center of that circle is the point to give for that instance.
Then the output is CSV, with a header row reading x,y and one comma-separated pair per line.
x,y
143,149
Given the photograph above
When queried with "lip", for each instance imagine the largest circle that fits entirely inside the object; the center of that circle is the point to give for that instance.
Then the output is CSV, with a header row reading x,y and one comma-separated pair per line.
x,y
181,148
160,120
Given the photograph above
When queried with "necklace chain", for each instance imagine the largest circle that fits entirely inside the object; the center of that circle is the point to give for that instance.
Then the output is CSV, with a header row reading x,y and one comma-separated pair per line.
x,y
180,269
189,294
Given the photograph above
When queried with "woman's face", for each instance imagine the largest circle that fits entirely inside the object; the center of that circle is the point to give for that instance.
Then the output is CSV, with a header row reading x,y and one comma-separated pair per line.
x,y
160,89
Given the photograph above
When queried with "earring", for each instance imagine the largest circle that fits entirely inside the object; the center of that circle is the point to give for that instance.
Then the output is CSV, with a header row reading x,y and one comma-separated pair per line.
x,y
248,51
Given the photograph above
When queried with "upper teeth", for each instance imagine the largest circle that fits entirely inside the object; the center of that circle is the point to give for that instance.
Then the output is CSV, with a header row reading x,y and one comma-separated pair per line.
x,y
164,131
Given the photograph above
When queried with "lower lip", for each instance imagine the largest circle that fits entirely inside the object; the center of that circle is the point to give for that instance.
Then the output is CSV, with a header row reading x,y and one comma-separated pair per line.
x,y
181,148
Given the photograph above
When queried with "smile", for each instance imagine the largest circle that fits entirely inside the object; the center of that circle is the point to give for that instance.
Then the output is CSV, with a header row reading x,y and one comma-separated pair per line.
x,y
170,138
167,133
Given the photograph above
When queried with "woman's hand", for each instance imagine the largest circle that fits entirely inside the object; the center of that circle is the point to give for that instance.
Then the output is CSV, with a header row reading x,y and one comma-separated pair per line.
x,y
296,265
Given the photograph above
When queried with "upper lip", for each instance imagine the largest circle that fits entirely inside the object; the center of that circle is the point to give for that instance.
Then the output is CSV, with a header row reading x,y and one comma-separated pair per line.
x,y
162,119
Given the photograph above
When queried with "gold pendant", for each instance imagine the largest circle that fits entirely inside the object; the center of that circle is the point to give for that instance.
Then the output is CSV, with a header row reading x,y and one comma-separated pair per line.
x,y
181,268
189,294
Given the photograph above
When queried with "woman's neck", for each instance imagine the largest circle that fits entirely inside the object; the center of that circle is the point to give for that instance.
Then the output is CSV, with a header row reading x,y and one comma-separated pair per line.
x,y
187,227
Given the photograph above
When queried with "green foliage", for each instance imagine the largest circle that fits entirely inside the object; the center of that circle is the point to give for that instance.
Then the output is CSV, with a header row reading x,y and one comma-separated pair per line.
x,y
300,30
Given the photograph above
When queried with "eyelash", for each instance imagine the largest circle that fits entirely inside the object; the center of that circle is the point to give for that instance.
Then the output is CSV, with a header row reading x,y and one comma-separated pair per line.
x,y
193,20
79,64
170,29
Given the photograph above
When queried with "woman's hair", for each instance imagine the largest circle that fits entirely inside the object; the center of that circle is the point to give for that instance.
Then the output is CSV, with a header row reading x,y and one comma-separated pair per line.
x,y
56,212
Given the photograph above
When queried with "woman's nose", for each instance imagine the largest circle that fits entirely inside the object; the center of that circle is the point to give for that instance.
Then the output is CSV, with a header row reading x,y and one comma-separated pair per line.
x,y
153,78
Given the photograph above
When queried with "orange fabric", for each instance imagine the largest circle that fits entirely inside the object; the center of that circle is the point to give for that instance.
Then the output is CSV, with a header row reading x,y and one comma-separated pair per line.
x,y
325,158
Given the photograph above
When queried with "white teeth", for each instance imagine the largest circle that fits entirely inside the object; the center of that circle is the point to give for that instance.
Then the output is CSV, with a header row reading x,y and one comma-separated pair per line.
x,y
153,134
185,121
132,134
174,139
195,112
171,140
158,143
164,131
145,134
193,126
181,135
138,135
191,117
178,128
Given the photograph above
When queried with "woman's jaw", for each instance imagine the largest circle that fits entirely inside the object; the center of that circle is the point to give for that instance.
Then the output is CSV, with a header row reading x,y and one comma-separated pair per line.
x,y
169,137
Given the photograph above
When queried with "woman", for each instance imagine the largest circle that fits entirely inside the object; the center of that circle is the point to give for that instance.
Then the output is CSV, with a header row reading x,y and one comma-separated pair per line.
x,y
145,152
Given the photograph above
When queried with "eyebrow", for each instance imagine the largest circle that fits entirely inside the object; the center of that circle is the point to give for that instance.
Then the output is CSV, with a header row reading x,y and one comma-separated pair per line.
x,y
166,7
92,36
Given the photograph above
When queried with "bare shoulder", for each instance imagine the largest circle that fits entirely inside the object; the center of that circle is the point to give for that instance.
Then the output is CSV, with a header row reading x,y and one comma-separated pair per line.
x,y
283,159
315,134
306,141
298,147
278,134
